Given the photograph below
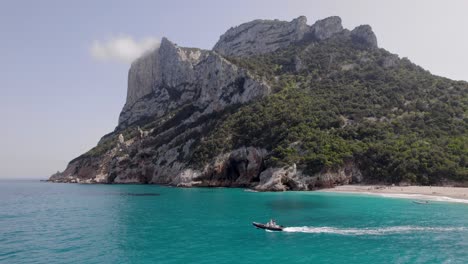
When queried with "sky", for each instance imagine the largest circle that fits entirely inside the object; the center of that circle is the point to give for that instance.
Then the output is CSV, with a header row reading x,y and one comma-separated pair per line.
x,y
64,64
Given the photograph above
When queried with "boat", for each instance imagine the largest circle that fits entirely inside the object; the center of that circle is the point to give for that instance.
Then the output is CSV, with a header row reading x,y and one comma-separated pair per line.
x,y
421,202
268,227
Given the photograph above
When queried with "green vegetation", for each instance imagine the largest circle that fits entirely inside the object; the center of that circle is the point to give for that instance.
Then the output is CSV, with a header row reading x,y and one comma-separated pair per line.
x,y
334,102
108,142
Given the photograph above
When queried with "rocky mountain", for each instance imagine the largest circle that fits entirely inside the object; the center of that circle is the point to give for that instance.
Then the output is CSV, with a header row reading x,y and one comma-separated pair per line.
x,y
173,77
279,106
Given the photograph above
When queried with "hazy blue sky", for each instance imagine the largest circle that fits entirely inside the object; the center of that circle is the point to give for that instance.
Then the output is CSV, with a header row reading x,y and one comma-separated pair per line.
x,y
57,100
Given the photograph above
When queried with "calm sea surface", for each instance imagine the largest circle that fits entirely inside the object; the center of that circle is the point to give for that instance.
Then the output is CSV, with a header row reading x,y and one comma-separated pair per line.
x,y
71,223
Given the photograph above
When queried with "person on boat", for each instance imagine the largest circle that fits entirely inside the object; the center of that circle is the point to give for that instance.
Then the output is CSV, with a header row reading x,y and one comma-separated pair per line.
x,y
272,223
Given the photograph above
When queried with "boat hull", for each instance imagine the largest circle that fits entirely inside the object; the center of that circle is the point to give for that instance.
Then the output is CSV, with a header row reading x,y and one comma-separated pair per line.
x,y
263,226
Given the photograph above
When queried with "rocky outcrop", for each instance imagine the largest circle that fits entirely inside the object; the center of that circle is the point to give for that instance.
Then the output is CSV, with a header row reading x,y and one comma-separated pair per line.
x,y
171,77
364,36
278,179
264,36
245,167
261,36
86,169
390,61
326,28
239,168
292,179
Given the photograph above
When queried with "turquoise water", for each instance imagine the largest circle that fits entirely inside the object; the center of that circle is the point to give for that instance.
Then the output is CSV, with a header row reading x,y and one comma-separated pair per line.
x,y
71,223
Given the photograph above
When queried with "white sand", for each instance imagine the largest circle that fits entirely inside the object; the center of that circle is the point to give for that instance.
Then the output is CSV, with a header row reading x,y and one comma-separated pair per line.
x,y
446,194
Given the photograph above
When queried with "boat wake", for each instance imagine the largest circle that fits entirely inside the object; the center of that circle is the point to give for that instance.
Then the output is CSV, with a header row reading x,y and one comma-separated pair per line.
x,y
370,231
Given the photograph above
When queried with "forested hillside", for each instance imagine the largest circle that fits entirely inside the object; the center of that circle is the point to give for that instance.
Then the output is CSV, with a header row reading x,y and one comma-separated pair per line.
x,y
336,101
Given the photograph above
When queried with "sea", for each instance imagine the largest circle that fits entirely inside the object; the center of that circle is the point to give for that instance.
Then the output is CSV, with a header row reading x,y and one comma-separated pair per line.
x,y
43,222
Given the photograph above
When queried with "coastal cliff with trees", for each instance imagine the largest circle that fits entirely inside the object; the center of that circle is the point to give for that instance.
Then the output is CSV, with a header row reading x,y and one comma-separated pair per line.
x,y
283,106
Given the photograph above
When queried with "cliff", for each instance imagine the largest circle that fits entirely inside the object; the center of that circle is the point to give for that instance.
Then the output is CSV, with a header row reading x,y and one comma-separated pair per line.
x,y
275,106
171,77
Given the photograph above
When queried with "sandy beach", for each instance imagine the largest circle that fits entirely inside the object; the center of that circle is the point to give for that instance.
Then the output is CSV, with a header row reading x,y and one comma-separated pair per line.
x,y
432,193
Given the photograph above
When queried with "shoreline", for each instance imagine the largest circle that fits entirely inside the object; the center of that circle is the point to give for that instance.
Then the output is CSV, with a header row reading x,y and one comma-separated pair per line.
x,y
426,193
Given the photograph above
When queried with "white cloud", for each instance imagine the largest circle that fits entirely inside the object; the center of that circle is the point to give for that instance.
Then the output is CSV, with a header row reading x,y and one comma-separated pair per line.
x,y
122,48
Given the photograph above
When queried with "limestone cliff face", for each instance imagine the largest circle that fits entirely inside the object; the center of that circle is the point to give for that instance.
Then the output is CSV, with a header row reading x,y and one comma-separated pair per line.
x,y
263,36
326,28
364,35
174,98
290,178
177,92
171,77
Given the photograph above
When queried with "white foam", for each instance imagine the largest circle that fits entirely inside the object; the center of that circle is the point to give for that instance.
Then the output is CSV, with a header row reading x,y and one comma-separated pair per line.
x,y
411,196
370,231
424,197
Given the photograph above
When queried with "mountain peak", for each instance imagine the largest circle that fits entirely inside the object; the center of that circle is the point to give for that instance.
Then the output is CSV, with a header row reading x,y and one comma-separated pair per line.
x,y
364,35
261,36
325,28
264,36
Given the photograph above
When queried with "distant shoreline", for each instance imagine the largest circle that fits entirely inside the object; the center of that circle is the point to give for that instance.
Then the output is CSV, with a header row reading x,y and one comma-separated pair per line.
x,y
428,193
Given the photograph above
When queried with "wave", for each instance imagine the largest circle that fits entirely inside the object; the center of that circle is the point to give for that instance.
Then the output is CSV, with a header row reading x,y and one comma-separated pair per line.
x,y
370,231
424,197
